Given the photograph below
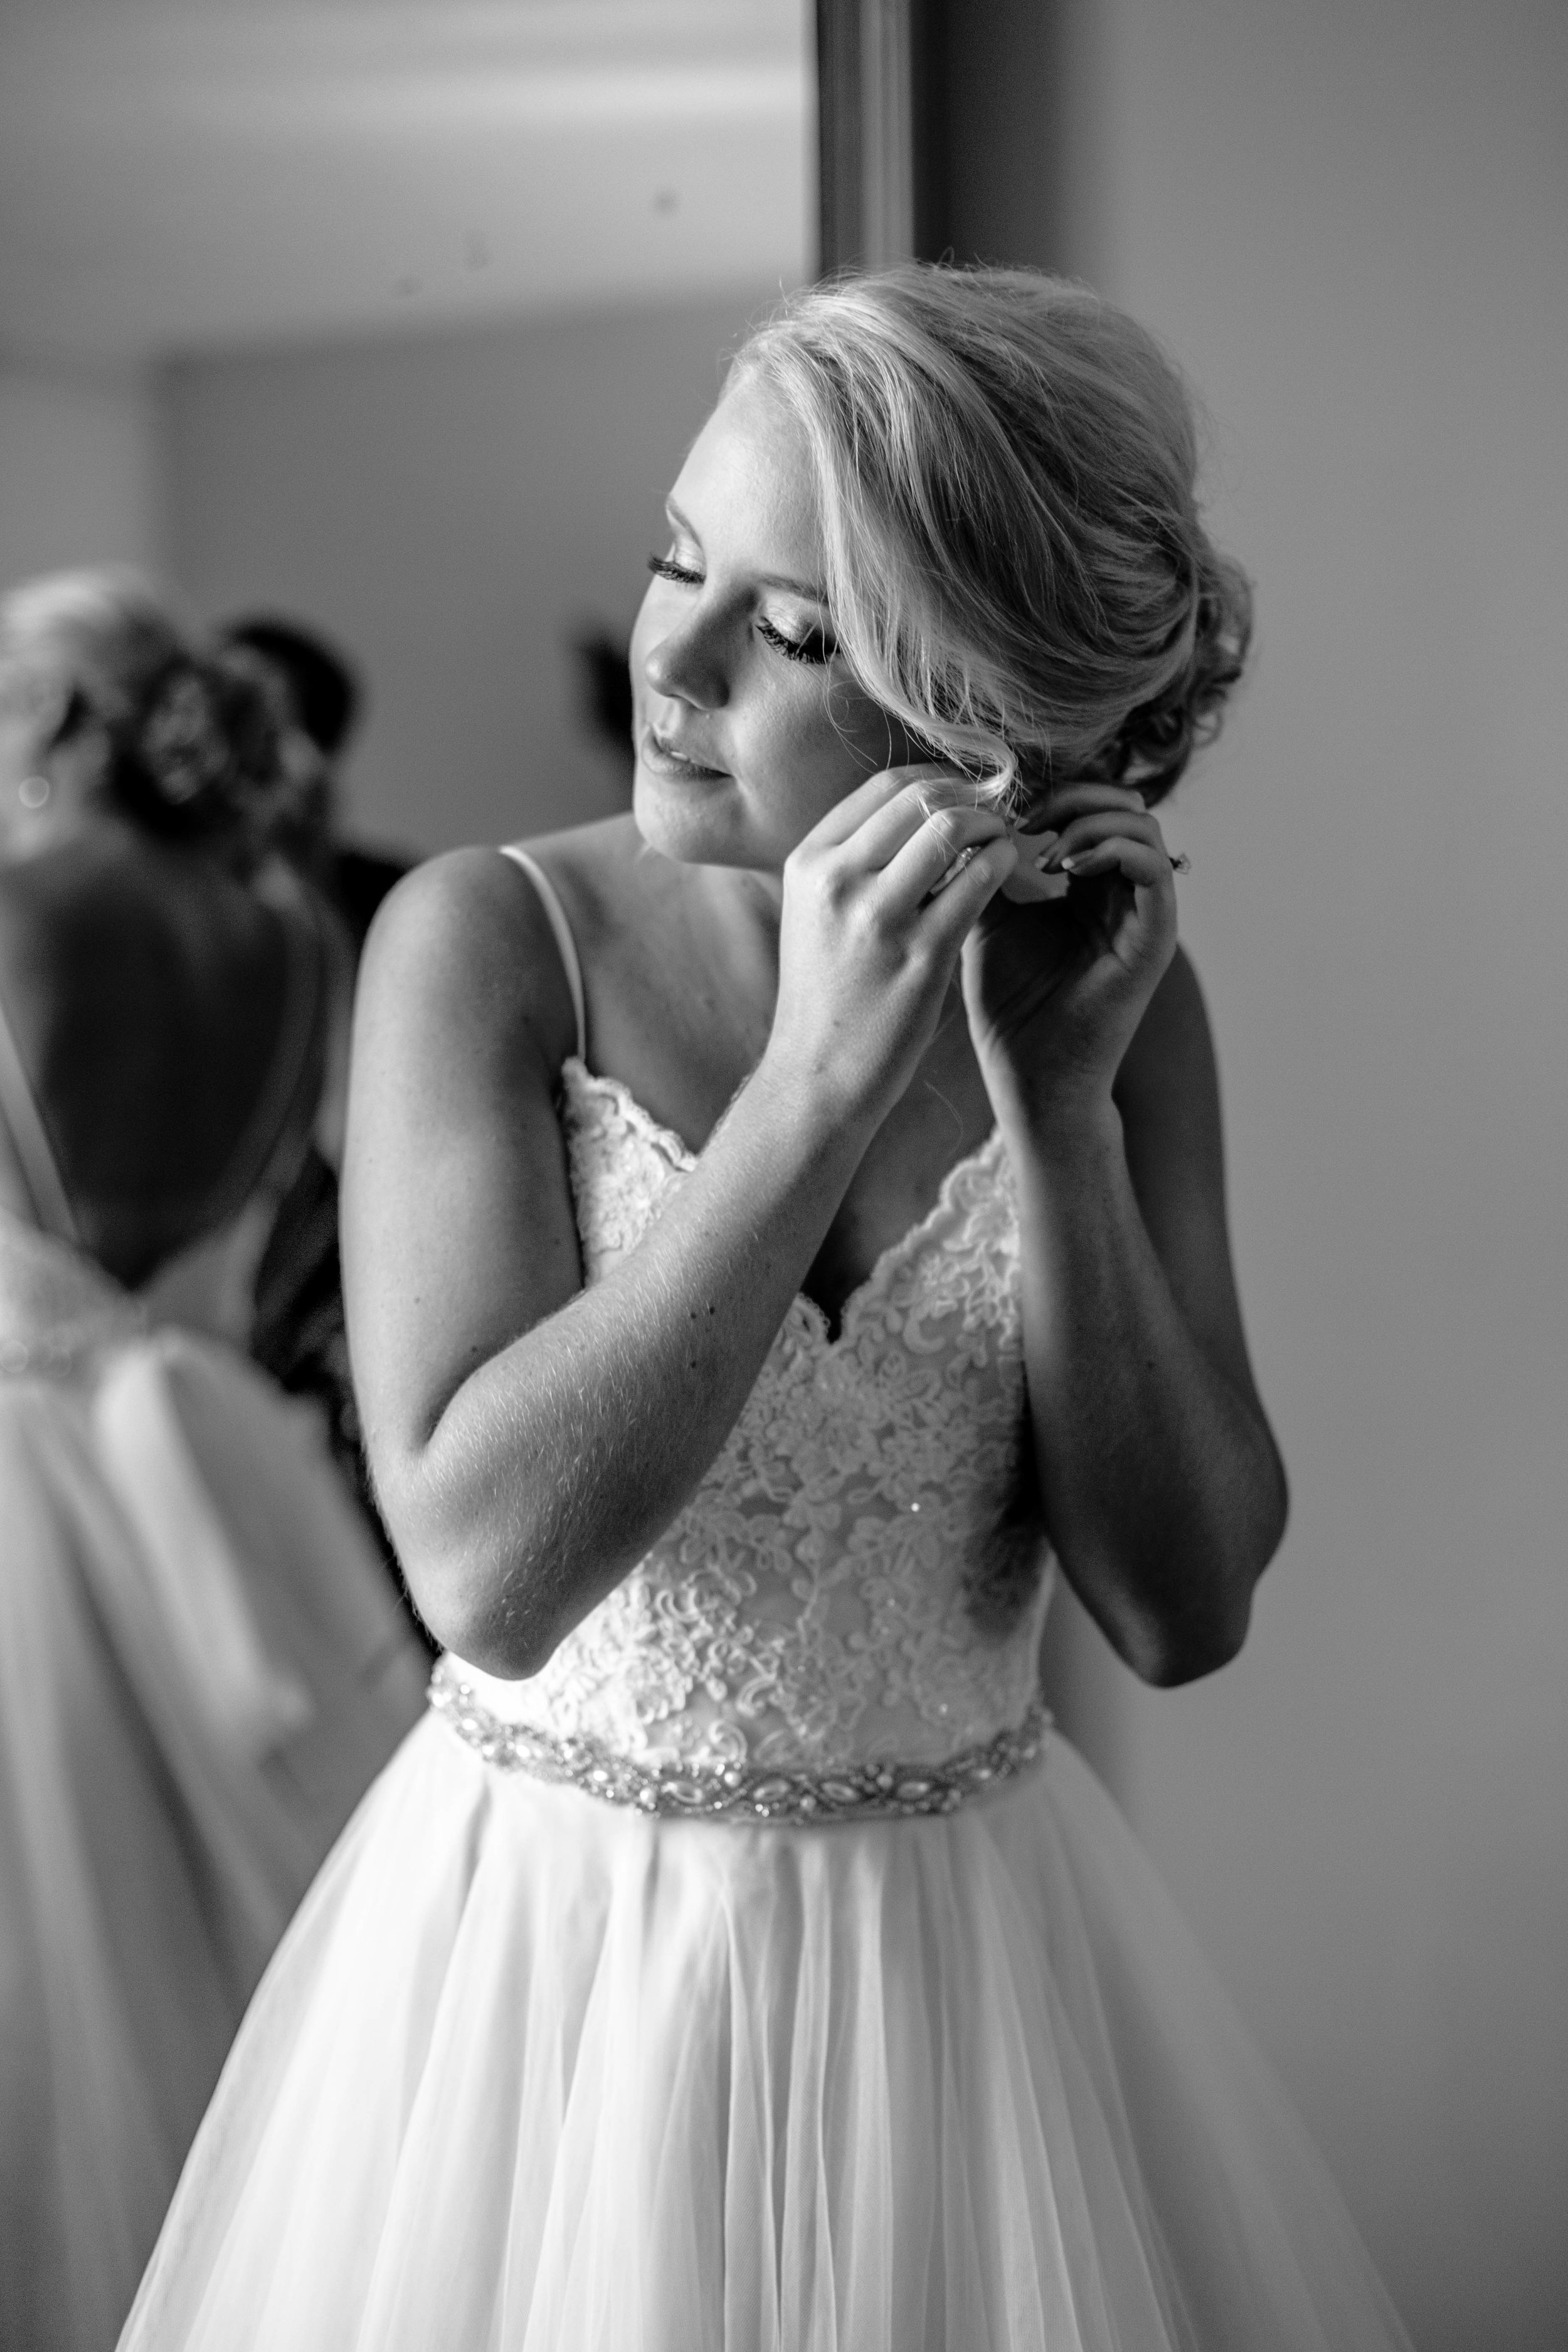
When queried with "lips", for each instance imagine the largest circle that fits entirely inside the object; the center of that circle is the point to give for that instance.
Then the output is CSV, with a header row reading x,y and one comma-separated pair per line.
x,y
663,756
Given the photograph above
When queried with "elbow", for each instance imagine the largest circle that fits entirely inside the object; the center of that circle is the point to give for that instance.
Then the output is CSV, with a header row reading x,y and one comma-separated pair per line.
x,y
1184,1644
1168,1656
511,1641
485,1596
1197,1642
498,1614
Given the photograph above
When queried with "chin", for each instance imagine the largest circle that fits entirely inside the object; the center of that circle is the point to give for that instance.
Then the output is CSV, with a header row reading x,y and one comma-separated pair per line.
x,y
694,824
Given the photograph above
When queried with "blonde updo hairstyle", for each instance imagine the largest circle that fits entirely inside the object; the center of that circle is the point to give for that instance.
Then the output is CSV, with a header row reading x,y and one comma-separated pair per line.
x,y
198,744
1016,566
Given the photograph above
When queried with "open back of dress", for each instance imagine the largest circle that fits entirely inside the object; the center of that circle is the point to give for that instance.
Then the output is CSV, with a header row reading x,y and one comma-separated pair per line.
x,y
201,1667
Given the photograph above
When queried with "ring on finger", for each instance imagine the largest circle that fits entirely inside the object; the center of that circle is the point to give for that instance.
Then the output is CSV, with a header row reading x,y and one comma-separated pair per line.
x,y
965,857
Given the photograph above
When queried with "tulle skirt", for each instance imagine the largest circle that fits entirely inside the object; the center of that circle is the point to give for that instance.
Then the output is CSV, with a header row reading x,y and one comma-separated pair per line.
x,y
534,2074
202,1668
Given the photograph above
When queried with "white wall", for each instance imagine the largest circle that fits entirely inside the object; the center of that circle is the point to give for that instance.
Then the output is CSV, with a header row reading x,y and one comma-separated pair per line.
x,y
450,510
81,478
1350,221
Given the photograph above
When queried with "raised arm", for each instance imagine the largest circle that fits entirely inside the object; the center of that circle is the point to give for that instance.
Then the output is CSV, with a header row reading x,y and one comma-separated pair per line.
x,y
1162,1489
529,1438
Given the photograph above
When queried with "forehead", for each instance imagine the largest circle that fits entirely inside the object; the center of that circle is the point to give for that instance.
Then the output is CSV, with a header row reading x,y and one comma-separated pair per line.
x,y
748,487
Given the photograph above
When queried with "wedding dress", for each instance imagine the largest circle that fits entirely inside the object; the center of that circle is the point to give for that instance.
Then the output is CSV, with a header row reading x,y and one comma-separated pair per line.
x,y
765,1975
201,1667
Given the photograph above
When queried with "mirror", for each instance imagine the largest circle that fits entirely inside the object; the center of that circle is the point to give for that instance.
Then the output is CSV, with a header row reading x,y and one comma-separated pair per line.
x,y
393,319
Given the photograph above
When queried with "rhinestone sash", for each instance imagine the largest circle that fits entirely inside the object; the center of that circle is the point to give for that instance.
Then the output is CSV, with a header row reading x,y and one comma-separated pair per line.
x,y
740,1792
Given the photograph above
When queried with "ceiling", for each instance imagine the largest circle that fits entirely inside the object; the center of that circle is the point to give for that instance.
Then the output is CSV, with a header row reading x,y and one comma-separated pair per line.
x,y
188,175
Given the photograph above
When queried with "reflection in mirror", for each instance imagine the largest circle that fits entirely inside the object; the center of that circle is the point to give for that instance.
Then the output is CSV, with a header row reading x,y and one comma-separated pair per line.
x,y
393,319
390,321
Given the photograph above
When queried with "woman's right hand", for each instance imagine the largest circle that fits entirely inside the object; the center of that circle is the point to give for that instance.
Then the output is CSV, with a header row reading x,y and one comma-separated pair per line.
x,y
870,934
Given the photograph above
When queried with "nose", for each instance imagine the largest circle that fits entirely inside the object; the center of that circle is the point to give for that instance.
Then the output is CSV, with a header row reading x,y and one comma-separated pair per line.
x,y
686,664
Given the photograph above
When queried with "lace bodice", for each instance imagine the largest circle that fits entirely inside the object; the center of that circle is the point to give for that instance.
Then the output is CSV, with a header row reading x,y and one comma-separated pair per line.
x,y
855,1579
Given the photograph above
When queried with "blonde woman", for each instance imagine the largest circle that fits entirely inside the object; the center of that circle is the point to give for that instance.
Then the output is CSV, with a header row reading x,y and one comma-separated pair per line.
x,y
784,1232
201,1664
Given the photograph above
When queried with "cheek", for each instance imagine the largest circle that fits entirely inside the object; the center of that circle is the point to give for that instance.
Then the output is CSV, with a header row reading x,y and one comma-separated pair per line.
x,y
815,752
798,740
869,739
644,634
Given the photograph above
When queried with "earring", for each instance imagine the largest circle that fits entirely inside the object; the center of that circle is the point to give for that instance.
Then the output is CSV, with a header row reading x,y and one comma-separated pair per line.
x,y
33,792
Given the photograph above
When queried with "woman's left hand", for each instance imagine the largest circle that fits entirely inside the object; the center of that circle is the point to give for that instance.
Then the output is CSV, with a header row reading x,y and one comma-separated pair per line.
x,y
1055,987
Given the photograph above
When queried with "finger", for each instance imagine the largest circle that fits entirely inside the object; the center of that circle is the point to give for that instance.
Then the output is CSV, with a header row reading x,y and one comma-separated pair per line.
x,y
858,808
930,800
1140,862
952,912
932,808
926,861
1088,832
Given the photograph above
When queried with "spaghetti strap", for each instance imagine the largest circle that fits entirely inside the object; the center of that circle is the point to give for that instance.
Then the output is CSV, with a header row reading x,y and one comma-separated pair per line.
x,y
35,1154
556,913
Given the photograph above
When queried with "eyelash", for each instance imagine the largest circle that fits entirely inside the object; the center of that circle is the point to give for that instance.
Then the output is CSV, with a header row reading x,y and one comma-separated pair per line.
x,y
813,648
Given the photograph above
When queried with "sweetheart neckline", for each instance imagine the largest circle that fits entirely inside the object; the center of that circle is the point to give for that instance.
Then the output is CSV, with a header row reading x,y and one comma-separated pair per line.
x,y
679,1152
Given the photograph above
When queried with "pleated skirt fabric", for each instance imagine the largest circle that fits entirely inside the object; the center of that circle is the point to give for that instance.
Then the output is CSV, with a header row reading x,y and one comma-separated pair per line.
x,y
534,2073
202,1669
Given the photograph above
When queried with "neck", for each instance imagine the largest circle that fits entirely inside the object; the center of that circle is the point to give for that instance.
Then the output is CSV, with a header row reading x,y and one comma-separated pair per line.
x,y
746,908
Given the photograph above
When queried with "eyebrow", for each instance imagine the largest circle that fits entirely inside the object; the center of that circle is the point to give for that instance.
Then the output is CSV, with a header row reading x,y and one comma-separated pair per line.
x,y
807,588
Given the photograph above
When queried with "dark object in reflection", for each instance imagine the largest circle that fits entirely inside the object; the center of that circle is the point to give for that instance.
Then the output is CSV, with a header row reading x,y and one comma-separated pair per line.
x,y
324,689
605,693
299,1333
358,880
327,698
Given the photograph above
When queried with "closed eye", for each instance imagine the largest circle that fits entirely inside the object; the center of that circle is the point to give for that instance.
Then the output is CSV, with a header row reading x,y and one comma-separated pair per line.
x,y
815,647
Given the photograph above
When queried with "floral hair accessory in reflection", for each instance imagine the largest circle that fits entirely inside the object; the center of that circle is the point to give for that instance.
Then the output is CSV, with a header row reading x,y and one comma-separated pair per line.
x,y
181,744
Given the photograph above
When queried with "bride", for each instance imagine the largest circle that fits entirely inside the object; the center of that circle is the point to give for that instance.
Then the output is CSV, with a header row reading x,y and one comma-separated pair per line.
x,y
784,1230
201,1664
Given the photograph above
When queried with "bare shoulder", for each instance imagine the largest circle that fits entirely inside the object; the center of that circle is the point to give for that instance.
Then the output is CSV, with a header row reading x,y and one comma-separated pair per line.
x,y
463,943
458,1224
1175,1028
607,878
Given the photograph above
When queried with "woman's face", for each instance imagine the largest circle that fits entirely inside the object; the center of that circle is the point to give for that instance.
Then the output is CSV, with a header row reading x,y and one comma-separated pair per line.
x,y
747,725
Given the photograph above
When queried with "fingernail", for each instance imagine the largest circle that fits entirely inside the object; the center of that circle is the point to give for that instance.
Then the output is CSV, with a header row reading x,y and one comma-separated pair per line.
x,y
1047,842
1069,865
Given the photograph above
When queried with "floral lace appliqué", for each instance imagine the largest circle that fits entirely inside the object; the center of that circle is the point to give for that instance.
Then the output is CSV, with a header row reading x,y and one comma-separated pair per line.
x,y
851,1581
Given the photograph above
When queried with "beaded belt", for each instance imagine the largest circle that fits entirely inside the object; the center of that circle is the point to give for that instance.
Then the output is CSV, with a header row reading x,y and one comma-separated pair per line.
x,y
739,1792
